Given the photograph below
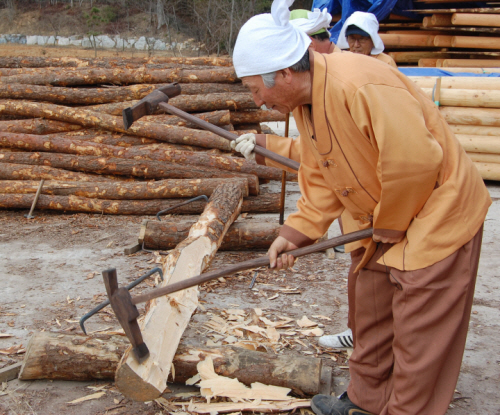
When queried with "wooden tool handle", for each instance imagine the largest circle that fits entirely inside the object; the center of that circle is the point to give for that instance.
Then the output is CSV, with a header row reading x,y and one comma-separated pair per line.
x,y
252,263
228,135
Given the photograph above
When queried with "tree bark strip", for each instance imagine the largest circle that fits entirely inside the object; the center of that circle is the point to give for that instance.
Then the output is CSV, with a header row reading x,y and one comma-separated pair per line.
x,y
241,236
161,189
220,117
266,203
125,167
93,96
57,356
190,103
105,62
12,171
93,119
152,152
168,316
112,139
37,126
122,76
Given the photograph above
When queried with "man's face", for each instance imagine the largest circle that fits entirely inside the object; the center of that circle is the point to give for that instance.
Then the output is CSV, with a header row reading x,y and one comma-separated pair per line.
x,y
277,97
360,44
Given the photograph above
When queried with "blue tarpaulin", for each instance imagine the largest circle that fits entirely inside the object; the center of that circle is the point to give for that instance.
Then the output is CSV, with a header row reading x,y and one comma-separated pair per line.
x,y
443,72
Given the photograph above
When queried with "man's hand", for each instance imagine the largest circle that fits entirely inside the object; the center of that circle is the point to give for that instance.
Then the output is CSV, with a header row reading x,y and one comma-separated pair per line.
x,y
284,261
245,144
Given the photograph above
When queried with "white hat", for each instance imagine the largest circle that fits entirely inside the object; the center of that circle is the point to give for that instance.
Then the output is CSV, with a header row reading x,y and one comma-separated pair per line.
x,y
268,42
367,22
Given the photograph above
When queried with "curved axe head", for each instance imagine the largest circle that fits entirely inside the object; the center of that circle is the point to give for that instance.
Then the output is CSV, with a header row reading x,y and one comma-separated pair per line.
x,y
126,313
149,103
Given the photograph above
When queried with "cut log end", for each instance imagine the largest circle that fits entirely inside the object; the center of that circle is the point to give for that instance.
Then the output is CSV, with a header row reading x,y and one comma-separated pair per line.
x,y
133,386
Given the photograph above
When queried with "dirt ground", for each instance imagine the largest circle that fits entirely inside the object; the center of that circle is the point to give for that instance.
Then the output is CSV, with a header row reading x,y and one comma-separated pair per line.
x,y
50,276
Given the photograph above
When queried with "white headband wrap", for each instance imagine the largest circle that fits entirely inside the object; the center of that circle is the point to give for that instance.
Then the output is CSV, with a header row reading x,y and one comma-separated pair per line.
x,y
369,23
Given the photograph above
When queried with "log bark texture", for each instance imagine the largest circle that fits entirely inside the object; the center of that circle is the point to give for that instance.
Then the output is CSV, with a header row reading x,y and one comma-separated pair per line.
x,y
256,116
12,171
168,316
57,356
152,153
241,236
122,76
37,126
93,119
266,203
161,189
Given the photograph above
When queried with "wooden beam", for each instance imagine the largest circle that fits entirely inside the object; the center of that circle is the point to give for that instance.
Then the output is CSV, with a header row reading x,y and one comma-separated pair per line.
x,y
168,316
473,19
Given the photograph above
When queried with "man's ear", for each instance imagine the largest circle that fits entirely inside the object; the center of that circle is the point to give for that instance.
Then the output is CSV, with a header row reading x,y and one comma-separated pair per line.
x,y
286,74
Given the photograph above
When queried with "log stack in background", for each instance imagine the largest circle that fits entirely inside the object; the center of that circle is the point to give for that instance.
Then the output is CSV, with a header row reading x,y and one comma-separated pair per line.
x,y
446,35
60,120
471,106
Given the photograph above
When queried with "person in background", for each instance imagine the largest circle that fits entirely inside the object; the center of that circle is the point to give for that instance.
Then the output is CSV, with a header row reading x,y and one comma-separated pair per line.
x,y
315,24
360,35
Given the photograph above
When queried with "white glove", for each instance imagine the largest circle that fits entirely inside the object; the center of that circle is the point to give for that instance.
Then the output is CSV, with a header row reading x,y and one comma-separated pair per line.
x,y
245,144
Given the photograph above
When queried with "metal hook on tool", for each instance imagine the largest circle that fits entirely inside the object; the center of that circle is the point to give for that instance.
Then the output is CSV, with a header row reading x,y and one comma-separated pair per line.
x,y
128,287
161,212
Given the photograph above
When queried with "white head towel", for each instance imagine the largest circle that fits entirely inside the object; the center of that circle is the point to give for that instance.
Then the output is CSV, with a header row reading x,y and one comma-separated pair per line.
x,y
369,23
268,42
316,20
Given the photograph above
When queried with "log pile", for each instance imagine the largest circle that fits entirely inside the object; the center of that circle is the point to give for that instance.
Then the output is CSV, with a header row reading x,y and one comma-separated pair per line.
x,y
61,121
444,35
471,106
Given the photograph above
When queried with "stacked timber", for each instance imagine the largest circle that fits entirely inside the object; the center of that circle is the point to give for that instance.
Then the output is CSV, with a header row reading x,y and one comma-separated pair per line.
x,y
61,122
445,35
471,106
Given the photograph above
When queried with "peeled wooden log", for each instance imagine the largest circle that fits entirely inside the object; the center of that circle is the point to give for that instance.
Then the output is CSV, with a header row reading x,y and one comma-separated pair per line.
x,y
161,189
457,82
93,96
152,152
476,42
485,158
12,171
439,19
479,143
255,116
93,119
57,356
37,126
265,203
470,63
125,167
473,19
471,116
120,76
427,63
407,40
467,97
241,236
443,41
415,56
489,171
475,130
168,316
109,62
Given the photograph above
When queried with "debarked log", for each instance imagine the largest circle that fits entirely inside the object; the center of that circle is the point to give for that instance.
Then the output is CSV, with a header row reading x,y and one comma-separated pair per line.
x,y
489,171
124,167
161,189
241,236
467,97
479,143
57,356
93,119
122,76
265,203
471,116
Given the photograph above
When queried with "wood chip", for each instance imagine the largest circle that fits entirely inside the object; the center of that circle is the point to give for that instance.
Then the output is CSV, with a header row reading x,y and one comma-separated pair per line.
x,y
305,322
312,333
3,335
87,398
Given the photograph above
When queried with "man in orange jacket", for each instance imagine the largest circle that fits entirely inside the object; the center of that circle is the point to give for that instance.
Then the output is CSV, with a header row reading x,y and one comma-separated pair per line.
x,y
373,145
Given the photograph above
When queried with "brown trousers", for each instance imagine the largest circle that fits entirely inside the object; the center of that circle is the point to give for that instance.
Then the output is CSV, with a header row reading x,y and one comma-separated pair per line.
x,y
409,330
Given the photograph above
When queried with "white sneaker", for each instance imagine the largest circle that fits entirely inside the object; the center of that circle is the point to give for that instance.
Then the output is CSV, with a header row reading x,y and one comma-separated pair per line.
x,y
337,341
